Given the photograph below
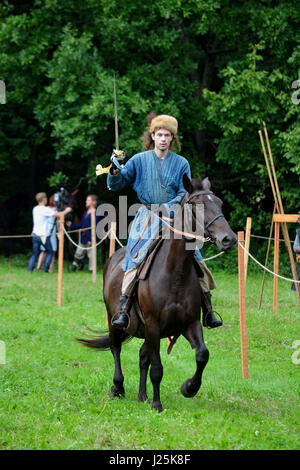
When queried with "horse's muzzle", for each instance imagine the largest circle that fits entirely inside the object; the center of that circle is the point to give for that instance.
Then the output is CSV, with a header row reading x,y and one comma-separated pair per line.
x,y
226,242
229,242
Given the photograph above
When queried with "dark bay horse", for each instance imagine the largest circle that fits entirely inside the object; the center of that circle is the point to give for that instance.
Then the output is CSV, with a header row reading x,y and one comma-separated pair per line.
x,y
169,299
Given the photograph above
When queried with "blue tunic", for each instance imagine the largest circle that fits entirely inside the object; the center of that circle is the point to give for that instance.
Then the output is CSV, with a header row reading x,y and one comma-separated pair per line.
x,y
155,182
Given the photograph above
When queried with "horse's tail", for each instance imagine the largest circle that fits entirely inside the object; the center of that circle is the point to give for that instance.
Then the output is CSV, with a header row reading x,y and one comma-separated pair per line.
x,y
102,342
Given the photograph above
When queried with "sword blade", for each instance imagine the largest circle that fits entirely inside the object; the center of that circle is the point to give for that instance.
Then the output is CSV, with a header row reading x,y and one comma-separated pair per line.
x,y
116,116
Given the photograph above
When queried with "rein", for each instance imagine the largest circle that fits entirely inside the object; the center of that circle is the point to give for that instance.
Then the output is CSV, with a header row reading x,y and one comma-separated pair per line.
x,y
140,237
186,234
165,220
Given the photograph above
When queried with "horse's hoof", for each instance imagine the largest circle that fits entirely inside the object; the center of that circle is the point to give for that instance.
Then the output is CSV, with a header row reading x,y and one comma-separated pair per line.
x,y
157,406
117,392
142,397
187,390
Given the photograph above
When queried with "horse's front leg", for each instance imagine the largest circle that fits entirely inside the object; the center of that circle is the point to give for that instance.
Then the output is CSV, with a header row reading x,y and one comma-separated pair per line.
x,y
156,368
194,335
144,366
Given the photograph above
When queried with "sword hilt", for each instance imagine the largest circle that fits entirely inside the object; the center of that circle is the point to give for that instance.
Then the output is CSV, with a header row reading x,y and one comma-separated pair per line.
x,y
116,158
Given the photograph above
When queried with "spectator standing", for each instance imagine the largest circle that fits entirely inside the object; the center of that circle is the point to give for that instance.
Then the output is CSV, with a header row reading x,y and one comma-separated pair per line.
x,y
85,240
40,214
40,236
51,232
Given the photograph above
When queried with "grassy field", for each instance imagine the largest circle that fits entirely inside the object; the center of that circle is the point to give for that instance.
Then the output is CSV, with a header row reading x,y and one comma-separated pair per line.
x,y
54,392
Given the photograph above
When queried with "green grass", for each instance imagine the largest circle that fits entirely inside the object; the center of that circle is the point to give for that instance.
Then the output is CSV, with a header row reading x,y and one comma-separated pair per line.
x,y
49,402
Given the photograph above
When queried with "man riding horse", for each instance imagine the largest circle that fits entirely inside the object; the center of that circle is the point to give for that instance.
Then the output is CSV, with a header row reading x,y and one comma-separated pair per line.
x,y
156,176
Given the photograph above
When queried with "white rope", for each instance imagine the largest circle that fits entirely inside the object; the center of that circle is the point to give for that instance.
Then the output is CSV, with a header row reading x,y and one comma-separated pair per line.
x,y
264,267
80,230
215,256
269,238
30,236
83,247
115,236
15,236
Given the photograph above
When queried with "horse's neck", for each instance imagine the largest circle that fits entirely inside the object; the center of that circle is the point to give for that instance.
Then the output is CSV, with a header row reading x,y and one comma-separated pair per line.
x,y
179,257
178,267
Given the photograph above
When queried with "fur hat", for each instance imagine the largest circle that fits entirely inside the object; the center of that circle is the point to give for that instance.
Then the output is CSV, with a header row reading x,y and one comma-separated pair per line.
x,y
163,121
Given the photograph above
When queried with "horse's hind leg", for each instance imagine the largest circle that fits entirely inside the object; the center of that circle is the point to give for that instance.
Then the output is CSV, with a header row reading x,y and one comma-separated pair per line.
x,y
156,368
117,389
144,366
195,336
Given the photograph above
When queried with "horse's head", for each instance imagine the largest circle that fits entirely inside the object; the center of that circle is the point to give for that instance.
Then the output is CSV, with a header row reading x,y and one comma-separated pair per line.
x,y
215,225
75,200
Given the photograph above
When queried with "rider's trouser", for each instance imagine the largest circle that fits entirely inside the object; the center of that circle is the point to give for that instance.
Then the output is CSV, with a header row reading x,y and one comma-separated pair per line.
x,y
207,282
130,276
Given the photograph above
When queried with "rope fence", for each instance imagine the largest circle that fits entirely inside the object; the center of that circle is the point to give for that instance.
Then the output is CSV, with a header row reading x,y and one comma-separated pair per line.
x,y
67,233
265,268
89,228
29,236
243,253
82,247
215,256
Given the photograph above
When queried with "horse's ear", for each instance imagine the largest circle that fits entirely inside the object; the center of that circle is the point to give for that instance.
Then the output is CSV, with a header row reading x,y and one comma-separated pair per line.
x,y
206,184
187,184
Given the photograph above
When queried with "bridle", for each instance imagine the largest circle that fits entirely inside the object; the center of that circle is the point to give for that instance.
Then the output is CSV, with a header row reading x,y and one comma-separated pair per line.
x,y
167,221
204,192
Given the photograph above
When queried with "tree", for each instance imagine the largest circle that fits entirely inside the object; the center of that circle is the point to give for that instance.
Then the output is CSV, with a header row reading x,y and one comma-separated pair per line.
x,y
220,67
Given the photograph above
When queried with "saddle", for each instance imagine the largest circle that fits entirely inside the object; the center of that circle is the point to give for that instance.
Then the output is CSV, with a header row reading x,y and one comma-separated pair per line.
x,y
145,266
143,272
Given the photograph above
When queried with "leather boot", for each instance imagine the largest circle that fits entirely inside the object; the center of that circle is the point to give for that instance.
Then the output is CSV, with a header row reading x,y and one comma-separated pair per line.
x,y
208,318
123,320
77,264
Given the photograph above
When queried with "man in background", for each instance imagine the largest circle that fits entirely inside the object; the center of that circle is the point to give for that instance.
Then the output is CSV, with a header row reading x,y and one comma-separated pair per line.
x,y
40,231
85,240
51,232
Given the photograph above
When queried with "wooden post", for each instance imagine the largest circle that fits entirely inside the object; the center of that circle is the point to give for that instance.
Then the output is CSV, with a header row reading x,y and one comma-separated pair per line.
x,y
276,264
247,244
60,259
242,301
112,241
267,258
269,170
94,248
278,200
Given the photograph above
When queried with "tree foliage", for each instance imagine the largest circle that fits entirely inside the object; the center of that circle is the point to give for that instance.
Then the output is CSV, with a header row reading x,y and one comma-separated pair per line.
x,y
221,67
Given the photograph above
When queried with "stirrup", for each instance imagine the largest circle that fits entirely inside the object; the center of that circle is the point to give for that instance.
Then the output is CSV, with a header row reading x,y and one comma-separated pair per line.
x,y
113,322
211,327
